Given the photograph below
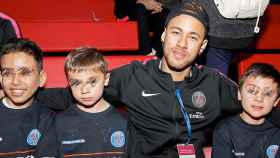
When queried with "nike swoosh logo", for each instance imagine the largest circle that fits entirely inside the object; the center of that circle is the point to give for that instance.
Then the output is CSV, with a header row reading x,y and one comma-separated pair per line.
x,y
144,94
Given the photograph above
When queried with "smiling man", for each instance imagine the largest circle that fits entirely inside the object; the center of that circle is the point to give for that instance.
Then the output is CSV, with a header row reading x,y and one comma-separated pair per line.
x,y
171,101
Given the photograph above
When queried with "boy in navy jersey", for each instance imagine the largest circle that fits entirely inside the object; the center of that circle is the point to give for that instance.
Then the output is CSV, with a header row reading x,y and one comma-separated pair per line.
x,y
26,125
90,126
249,134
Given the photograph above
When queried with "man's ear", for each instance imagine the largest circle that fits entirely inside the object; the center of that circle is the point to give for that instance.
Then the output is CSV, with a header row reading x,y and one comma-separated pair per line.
x,y
163,35
203,46
107,79
239,95
43,78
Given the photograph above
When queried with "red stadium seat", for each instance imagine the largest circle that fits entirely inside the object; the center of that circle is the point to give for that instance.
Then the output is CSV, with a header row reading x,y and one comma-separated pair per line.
x,y
62,10
270,32
62,25
273,59
65,36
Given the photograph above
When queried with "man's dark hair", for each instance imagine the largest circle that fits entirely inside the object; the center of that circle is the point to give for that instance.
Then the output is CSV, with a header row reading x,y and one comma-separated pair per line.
x,y
190,8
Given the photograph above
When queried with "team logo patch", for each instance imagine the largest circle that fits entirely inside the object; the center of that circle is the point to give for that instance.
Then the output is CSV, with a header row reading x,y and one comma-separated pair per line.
x,y
198,99
272,150
33,137
118,139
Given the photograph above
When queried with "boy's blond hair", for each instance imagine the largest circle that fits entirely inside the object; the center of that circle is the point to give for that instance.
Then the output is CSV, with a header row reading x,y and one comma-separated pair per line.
x,y
85,58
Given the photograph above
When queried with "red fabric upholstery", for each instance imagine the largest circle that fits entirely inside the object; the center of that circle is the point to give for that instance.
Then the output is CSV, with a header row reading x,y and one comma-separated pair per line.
x,y
273,59
65,36
63,25
58,10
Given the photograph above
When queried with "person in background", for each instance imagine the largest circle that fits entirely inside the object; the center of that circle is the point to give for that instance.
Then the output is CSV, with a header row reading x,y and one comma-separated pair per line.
x,y
249,134
150,16
8,29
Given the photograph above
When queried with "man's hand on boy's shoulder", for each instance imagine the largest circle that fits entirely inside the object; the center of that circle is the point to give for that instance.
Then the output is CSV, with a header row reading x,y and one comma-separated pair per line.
x,y
55,98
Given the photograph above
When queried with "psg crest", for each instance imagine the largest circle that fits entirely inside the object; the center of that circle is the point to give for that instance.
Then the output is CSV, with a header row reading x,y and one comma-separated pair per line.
x,y
33,137
118,139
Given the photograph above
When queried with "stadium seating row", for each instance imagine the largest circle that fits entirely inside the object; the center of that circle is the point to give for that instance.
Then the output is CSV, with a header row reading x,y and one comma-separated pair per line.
x,y
59,26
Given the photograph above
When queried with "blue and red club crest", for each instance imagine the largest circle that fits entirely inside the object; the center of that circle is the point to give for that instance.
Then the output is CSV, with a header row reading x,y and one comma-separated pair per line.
x,y
33,137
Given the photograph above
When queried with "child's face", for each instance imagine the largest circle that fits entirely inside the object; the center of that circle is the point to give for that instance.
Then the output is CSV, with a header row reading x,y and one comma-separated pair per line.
x,y
20,78
258,96
87,86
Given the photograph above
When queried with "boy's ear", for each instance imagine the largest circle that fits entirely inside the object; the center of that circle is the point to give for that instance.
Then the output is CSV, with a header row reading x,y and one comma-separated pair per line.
x,y
0,79
162,37
43,78
239,95
2,94
107,79
276,102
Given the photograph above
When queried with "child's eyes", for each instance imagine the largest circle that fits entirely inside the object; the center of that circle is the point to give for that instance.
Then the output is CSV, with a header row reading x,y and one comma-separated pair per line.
x,y
252,90
74,83
268,94
25,72
256,91
5,73
92,83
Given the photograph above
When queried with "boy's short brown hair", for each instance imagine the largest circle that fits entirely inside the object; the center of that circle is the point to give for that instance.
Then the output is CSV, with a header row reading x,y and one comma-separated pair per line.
x,y
83,58
264,70
26,46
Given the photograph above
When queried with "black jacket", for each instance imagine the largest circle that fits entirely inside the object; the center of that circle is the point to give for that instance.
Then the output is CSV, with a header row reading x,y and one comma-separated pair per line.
x,y
155,122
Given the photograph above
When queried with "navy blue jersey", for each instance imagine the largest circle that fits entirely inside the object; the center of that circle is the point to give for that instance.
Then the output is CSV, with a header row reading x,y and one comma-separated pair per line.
x,y
27,132
96,135
234,138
